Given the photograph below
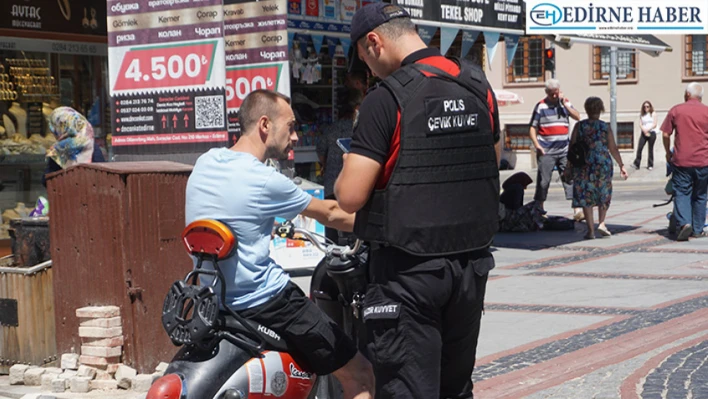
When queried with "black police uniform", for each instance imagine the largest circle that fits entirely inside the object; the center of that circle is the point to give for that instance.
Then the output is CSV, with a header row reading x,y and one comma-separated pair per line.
x,y
431,225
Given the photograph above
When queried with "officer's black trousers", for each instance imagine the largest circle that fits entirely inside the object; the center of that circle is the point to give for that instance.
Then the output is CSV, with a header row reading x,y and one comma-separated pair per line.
x,y
422,318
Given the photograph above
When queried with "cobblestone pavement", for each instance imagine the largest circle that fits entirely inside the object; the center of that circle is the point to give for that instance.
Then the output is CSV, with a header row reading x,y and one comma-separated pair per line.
x,y
619,317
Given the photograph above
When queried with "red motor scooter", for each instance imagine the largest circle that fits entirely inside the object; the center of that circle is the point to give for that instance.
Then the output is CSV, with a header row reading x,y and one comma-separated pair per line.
x,y
225,356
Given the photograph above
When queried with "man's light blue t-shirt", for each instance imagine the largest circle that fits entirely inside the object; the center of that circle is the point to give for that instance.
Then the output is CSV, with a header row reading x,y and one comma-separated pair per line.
x,y
239,190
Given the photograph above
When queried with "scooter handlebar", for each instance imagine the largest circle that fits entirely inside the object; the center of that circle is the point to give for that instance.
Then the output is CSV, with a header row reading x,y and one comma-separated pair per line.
x,y
288,230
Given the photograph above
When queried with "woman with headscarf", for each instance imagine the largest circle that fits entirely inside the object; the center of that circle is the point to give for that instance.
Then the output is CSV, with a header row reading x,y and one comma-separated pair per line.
x,y
74,143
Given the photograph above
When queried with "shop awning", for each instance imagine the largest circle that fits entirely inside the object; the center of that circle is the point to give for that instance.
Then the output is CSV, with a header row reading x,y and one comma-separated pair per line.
x,y
646,43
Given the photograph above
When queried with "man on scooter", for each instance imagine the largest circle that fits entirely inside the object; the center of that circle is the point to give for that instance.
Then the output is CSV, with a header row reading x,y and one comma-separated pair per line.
x,y
422,177
234,185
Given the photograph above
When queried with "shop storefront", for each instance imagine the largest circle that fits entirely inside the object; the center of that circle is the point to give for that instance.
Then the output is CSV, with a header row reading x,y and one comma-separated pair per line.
x,y
52,53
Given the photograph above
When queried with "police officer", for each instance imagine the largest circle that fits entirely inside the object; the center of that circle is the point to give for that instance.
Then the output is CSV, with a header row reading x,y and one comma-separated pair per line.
x,y
423,178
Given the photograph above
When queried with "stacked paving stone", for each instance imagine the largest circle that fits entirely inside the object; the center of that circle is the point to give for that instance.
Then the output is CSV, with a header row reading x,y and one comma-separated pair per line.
x,y
101,334
98,366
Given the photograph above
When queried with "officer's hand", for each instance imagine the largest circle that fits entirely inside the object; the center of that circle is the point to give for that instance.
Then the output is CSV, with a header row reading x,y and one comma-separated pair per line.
x,y
539,151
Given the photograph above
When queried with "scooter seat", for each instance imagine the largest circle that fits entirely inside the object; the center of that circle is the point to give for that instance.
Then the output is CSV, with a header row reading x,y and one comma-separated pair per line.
x,y
273,341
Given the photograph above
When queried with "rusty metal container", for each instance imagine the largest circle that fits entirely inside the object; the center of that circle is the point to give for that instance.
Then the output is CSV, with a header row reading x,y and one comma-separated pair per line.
x,y
115,240
27,316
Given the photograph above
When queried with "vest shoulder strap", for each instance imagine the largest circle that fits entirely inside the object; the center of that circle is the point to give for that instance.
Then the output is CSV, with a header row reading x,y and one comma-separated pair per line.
x,y
467,73
404,83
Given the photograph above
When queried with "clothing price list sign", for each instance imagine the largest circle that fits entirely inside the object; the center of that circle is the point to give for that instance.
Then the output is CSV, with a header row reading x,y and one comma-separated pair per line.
x,y
256,43
166,74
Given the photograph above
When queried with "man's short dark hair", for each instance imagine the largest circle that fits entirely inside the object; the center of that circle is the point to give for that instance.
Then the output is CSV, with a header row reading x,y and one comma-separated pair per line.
x,y
257,104
396,28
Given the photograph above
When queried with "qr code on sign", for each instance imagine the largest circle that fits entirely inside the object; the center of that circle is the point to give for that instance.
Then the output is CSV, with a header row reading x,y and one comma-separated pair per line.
x,y
209,112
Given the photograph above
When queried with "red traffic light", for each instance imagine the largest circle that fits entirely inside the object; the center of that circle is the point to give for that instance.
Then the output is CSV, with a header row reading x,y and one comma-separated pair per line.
x,y
550,53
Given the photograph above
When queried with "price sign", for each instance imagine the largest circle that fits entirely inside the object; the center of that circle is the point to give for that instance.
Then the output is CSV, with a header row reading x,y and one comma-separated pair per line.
x,y
166,66
241,81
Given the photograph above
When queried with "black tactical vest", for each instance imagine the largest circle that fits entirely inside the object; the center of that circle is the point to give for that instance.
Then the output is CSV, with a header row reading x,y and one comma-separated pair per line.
x,y
443,195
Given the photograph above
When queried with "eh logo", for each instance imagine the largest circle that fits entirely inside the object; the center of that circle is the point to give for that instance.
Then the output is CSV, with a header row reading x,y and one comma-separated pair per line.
x,y
546,14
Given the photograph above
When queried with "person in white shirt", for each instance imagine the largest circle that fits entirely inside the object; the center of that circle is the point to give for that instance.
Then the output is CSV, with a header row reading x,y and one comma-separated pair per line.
x,y
648,123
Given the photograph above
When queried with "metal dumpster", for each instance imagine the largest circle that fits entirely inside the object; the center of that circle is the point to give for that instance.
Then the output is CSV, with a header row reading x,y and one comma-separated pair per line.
x,y
115,240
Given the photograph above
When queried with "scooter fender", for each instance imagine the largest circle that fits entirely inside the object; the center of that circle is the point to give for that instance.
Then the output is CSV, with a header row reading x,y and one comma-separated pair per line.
x,y
230,372
204,373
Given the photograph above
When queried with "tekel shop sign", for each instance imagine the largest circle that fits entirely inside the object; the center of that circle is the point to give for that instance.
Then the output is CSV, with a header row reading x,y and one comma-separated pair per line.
x,y
84,17
502,14
626,17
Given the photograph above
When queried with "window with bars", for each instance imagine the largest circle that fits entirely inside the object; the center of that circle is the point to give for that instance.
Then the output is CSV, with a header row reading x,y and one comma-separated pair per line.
x,y
696,56
527,65
625,135
626,64
516,136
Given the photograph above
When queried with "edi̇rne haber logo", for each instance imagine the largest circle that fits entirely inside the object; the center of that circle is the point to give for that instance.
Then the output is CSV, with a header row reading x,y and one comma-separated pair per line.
x,y
617,17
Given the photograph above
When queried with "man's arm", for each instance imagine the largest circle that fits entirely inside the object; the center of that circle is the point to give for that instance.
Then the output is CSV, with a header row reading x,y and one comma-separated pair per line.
x,y
371,149
356,181
667,128
571,111
329,214
666,136
534,140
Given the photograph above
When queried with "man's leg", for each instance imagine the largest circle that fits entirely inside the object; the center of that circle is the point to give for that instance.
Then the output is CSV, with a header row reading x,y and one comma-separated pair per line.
x,y
682,180
698,199
543,177
562,163
402,323
316,343
461,322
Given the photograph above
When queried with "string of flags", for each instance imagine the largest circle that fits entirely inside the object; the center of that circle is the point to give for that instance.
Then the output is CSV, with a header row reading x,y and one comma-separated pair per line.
x,y
426,33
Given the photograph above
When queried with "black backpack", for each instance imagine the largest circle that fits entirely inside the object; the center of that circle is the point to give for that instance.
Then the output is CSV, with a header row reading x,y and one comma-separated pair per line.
x,y
578,153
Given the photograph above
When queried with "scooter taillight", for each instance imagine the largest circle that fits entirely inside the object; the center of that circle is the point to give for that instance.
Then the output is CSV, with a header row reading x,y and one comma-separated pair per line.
x,y
167,387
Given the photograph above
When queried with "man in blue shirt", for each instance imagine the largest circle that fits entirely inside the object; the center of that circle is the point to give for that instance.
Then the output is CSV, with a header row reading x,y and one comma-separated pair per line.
x,y
235,186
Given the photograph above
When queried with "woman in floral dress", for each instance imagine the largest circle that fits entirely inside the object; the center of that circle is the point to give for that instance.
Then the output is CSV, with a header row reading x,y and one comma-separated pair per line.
x,y
592,183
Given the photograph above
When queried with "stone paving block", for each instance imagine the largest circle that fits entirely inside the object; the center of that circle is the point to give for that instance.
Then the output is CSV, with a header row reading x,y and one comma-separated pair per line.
x,y
47,379
103,375
59,384
46,397
104,384
141,383
33,376
99,362
104,322
162,367
67,374
110,342
17,374
98,312
70,361
112,368
100,332
124,376
86,371
101,351
80,384
52,370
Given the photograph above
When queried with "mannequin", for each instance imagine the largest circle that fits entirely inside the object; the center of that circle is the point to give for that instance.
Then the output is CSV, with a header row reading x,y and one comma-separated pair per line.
x,y
46,111
7,121
21,117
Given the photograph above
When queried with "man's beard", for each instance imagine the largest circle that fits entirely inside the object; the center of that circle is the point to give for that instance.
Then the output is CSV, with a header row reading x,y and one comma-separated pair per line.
x,y
276,153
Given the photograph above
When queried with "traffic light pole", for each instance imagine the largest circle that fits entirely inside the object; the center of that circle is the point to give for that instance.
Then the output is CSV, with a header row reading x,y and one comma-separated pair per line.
x,y
553,72
613,91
